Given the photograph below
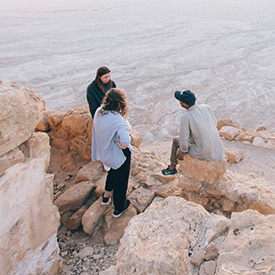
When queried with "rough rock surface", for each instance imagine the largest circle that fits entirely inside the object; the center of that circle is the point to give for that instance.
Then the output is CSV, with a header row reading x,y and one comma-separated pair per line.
x,y
29,221
21,110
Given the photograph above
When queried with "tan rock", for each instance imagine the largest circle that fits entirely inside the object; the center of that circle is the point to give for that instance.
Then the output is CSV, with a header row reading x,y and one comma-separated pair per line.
x,y
93,215
91,171
211,252
169,189
195,198
113,228
67,163
258,142
189,184
234,155
197,257
29,221
249,245
75,220
208,268
39,147
43,124
141,198
225,122
17,124
9,159
160,240
74,197
229,132
201,170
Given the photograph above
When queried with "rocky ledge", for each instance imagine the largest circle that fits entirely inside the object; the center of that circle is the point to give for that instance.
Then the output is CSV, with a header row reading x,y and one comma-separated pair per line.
x,y
204,220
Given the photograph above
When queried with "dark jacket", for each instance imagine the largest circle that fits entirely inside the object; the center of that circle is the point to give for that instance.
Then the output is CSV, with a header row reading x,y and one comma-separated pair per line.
x,y
95,95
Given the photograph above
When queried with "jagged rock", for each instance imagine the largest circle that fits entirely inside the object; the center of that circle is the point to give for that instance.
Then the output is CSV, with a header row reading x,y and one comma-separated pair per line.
x,y
29,221
141,198
211,252
169,189
67,163
39,147
229,132
161,240
43,124
17,124
93,215
201,170
113,228
91,171
75,220
9,159
234,155
208,268
249,245
74,197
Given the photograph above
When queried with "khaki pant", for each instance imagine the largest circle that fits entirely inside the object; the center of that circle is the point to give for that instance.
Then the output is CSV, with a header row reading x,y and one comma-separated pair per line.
x,y
174,150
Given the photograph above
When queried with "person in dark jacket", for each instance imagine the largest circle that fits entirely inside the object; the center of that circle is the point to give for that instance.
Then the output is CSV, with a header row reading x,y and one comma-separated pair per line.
x,y
98,88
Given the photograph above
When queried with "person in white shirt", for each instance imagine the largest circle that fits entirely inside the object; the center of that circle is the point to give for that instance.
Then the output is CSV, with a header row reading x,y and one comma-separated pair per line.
x,y
198,136
111,145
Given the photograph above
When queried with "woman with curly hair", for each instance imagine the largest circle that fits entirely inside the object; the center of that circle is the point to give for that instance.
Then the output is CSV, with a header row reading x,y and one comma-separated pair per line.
x,y
98,88
111,145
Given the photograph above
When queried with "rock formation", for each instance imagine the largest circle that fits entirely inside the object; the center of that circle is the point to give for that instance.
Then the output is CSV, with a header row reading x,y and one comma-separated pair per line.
x,y
204,220
29,220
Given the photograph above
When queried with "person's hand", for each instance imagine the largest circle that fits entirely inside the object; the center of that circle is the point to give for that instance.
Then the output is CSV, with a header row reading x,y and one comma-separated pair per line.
x,y
120,145
180,155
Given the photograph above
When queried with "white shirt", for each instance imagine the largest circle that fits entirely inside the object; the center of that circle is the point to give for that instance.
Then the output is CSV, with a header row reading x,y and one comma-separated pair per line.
x,y
107,129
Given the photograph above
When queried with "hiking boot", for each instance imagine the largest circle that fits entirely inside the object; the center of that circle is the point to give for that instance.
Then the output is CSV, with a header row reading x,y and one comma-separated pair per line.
x,y
117,213
167,171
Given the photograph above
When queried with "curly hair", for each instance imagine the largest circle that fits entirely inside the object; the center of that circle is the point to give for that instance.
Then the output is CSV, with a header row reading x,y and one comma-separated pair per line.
x,y
115,101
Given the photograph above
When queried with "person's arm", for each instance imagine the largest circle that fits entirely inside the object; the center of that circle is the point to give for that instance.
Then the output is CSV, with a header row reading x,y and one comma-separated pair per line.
x,y
124,136
92,100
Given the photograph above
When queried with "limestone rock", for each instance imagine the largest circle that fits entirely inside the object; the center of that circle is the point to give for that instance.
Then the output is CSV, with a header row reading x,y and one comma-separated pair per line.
x,y
258,142
113,228
74,197
43,124
29,222
93,215
39,147
161,240
141,198
9,159
229,132
17,123
249,246
201,170
234,155
75,220
91,171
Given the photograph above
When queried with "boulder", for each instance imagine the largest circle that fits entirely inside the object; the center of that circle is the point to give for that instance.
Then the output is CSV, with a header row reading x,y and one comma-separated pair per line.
x,y
234,155
229,132
74,197
249,245
91,171
9,159
29,221
202,170
162,240
21,110
113,228
93,215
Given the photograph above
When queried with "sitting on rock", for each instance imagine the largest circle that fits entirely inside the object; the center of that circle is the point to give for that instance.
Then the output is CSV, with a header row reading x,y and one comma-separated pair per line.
x,y
198,137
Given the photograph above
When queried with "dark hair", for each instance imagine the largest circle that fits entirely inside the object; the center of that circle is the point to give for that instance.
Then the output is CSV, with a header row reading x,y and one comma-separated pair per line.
x,y
100,72
115,101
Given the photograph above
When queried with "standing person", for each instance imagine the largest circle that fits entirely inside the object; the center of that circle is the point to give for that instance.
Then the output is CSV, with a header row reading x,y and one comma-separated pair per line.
x,y
198,136
111,145
98,88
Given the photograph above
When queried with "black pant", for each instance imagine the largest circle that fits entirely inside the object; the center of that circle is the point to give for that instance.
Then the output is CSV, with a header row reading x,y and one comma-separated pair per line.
x,y
117,180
